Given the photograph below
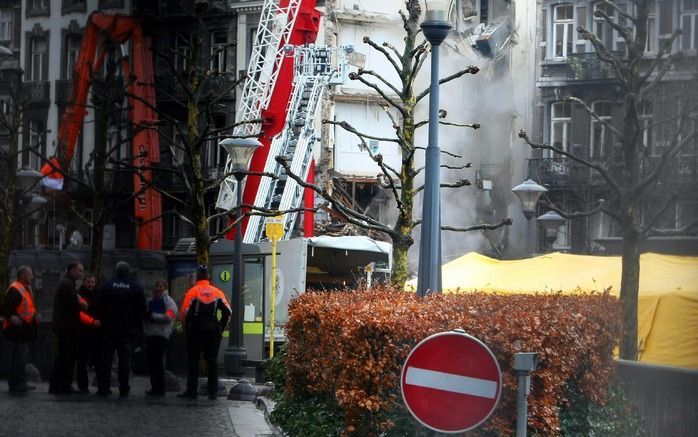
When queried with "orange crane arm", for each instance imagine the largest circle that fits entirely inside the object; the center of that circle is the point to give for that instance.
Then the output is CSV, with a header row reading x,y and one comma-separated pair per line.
x,y
146,148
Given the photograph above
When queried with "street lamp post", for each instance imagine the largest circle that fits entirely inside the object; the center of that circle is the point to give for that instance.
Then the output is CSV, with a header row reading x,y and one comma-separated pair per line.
x,y
240,151
528,192
551,221
26,179
435,28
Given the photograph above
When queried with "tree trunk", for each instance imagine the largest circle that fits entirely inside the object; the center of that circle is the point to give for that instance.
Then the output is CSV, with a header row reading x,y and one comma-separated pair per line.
x,y
96,249
400,264
629,286
5,240
6,231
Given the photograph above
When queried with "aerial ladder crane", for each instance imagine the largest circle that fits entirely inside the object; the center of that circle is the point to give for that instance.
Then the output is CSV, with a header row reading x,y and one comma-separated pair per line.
x,y
138,69
286,77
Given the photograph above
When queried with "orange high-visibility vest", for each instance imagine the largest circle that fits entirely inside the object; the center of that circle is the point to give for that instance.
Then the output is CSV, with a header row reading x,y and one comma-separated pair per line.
x,y
203,292
26,309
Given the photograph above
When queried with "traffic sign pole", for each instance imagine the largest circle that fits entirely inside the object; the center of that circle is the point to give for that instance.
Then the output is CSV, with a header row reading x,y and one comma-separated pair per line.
x,y
274,229
451,382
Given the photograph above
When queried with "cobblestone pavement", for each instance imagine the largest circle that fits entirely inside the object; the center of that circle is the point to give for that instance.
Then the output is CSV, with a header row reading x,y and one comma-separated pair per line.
x,y
38,413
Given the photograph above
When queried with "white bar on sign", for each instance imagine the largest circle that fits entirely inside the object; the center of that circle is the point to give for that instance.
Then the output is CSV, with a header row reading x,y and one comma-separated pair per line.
x,y
449,382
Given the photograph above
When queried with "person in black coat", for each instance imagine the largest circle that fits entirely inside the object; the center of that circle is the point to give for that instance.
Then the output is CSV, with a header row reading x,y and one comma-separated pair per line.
x,y
88,338
121,307
66,319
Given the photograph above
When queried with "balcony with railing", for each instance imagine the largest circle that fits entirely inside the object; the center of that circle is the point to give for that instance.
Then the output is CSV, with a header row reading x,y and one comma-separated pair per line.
x,y
560,173
38,93
588,66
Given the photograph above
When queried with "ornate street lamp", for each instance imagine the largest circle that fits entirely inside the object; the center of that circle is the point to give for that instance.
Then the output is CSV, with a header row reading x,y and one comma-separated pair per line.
x,y
528,193
551,221
27,178
240,151
435,28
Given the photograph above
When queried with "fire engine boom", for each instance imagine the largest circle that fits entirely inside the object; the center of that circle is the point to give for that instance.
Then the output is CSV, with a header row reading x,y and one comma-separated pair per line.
x,y
146,150
286,77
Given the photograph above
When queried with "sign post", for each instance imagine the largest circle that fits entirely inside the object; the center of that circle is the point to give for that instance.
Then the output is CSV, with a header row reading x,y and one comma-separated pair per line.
x,y
274,229
451,382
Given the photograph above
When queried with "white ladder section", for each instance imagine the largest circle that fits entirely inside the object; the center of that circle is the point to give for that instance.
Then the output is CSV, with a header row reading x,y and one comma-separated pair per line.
x,y
275,26
315,68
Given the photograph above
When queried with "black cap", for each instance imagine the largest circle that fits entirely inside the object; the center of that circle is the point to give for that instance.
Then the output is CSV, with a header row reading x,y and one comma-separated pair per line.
x,y
202,268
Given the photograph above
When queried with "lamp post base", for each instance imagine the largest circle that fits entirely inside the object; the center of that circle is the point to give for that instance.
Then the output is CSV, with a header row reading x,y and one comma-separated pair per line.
x,y
231,360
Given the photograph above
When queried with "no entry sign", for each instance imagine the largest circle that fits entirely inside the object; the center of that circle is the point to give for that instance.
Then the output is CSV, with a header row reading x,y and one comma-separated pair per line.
x,y
451,382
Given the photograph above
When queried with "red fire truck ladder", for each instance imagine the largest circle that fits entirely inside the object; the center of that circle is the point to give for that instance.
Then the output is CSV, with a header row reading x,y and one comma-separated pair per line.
x,y
286,78
315,69
267,62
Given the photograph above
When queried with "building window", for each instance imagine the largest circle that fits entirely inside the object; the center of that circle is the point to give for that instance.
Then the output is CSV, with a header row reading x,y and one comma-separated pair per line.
x,y
37,7
689,22
652,40
601,136
6,27
602,29
70,6
219,51
39,59
35,145
72,50
560,126
686,213
690,149
182,52
215,155
563,30
646,113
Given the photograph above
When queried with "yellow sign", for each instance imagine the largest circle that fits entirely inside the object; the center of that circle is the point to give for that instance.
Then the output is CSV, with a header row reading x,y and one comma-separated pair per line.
x,y
274,227
224,276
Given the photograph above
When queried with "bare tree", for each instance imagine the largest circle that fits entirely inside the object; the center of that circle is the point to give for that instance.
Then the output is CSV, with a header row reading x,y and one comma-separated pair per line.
x,y
12,123
199,90
632,177
401,99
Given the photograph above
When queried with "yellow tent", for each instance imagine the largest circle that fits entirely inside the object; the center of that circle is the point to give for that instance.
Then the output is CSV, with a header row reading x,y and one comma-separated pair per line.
x,y
668,300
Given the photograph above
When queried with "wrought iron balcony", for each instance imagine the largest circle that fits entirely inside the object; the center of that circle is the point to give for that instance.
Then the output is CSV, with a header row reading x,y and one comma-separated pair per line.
x,y
38,92
557,172
588,66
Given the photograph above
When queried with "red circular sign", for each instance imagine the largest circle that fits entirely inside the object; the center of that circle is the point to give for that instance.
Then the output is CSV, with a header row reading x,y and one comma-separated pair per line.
x,y
451,382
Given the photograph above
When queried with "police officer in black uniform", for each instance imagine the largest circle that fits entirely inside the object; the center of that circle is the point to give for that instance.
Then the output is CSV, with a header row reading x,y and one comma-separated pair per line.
x,y
121,306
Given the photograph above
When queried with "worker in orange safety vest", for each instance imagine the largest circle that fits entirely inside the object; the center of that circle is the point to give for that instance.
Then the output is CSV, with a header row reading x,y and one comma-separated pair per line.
x,y
199,315
19,327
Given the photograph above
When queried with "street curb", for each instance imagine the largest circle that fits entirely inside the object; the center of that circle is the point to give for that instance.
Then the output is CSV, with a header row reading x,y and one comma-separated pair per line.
x,y
267,406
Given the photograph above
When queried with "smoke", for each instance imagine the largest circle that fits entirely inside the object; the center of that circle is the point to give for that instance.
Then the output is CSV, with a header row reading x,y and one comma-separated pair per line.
x,y
487,98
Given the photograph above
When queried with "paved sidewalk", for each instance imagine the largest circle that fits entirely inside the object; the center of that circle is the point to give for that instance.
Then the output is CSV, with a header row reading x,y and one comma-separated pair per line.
x,y
38,413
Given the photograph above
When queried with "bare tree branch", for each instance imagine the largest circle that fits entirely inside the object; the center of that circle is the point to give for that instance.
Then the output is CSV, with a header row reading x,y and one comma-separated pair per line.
x,y
367,40
481,227
595,116
445,152
459,183
379,90
473,69
604,174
